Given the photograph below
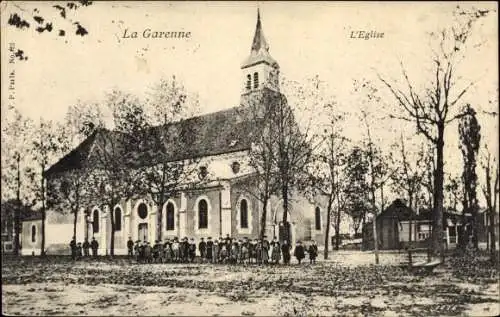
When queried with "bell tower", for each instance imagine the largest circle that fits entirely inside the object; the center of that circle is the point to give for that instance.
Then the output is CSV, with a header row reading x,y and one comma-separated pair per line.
x,y
259,70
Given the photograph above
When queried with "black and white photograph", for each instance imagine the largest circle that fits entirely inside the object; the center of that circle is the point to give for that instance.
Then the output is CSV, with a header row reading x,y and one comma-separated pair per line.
x,y
249,158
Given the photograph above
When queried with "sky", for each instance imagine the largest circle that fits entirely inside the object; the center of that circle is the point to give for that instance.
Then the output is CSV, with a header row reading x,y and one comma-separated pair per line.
x,y
307,40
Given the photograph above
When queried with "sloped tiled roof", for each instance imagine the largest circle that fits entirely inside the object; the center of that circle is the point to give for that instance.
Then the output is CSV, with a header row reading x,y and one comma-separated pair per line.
x,y
398,210
210,134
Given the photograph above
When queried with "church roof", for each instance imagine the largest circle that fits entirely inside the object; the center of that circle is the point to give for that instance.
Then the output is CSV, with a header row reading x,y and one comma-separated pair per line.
x,y
259,52
215,133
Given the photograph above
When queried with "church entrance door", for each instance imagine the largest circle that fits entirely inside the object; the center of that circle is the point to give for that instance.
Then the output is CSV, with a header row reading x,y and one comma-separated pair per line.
x,y
143,232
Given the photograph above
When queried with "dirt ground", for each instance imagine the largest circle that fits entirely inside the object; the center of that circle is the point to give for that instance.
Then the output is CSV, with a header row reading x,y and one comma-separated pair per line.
x,y
347,284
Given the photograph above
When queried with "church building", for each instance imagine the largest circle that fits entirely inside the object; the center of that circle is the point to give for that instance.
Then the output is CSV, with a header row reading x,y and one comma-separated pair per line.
x,y
220,205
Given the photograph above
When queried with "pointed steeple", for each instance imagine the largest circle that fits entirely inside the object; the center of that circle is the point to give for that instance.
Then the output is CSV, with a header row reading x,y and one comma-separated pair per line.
x,y
259,40
259,70
259,52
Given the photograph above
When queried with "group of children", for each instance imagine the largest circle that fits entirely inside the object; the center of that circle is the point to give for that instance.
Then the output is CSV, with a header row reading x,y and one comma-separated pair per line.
x,y
77,248
222,250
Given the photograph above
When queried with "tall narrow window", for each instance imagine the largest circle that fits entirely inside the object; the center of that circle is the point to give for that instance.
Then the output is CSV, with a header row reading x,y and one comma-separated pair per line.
x,y
170,225
244,214
249,82
142,211
33,233
255,80
118,219
317,217
95,222
202,214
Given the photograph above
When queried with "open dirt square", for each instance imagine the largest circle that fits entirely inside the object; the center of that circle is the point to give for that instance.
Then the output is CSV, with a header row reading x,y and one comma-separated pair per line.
x,y
347,284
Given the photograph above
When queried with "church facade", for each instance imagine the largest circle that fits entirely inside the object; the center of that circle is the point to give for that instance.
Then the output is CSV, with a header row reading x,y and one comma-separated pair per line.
x,y
220,205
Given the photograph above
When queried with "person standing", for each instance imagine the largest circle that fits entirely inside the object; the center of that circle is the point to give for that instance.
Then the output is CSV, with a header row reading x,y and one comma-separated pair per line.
x,y
215,252
251,251
95,246
130,246
313,252
299,251
234,252
202,246
245,251
167,251
258,252
285,249
79,250
72,245
183,248
192,250
86,247
265,250
156,251
148,253
276,251
209,250
175,250
137,250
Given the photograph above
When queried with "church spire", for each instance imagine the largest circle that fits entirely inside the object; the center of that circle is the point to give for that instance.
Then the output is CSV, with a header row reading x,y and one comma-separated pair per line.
x,y
259,41
259,69
260,49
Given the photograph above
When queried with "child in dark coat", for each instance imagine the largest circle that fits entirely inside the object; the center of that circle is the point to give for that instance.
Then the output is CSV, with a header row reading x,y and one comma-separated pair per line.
x,y
313,252
299,251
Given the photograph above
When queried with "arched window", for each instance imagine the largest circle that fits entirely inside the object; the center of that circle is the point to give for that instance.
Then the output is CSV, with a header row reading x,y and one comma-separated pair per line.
x,y
95,221
255,80
317,216
244,214
170,223
33,233
142,211
249,82
202,214
118,219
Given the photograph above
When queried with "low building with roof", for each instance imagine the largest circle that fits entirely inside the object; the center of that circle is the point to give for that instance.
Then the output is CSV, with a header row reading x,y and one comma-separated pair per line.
x,y
394,223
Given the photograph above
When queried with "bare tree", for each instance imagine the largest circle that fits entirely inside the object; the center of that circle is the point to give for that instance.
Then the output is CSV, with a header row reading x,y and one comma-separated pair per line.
x,y
48,143
378,174
169,163
433,109
357,188
491,190
262,183
330,160
296,140
116,175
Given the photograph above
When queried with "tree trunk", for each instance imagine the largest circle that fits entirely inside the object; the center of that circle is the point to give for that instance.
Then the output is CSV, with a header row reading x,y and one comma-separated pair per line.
x,y
263,219
437,232
159,213
44,215
327,231
492,236
474,213
410,259
112,238
75,219
284,192
337,230
17,217
375,237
